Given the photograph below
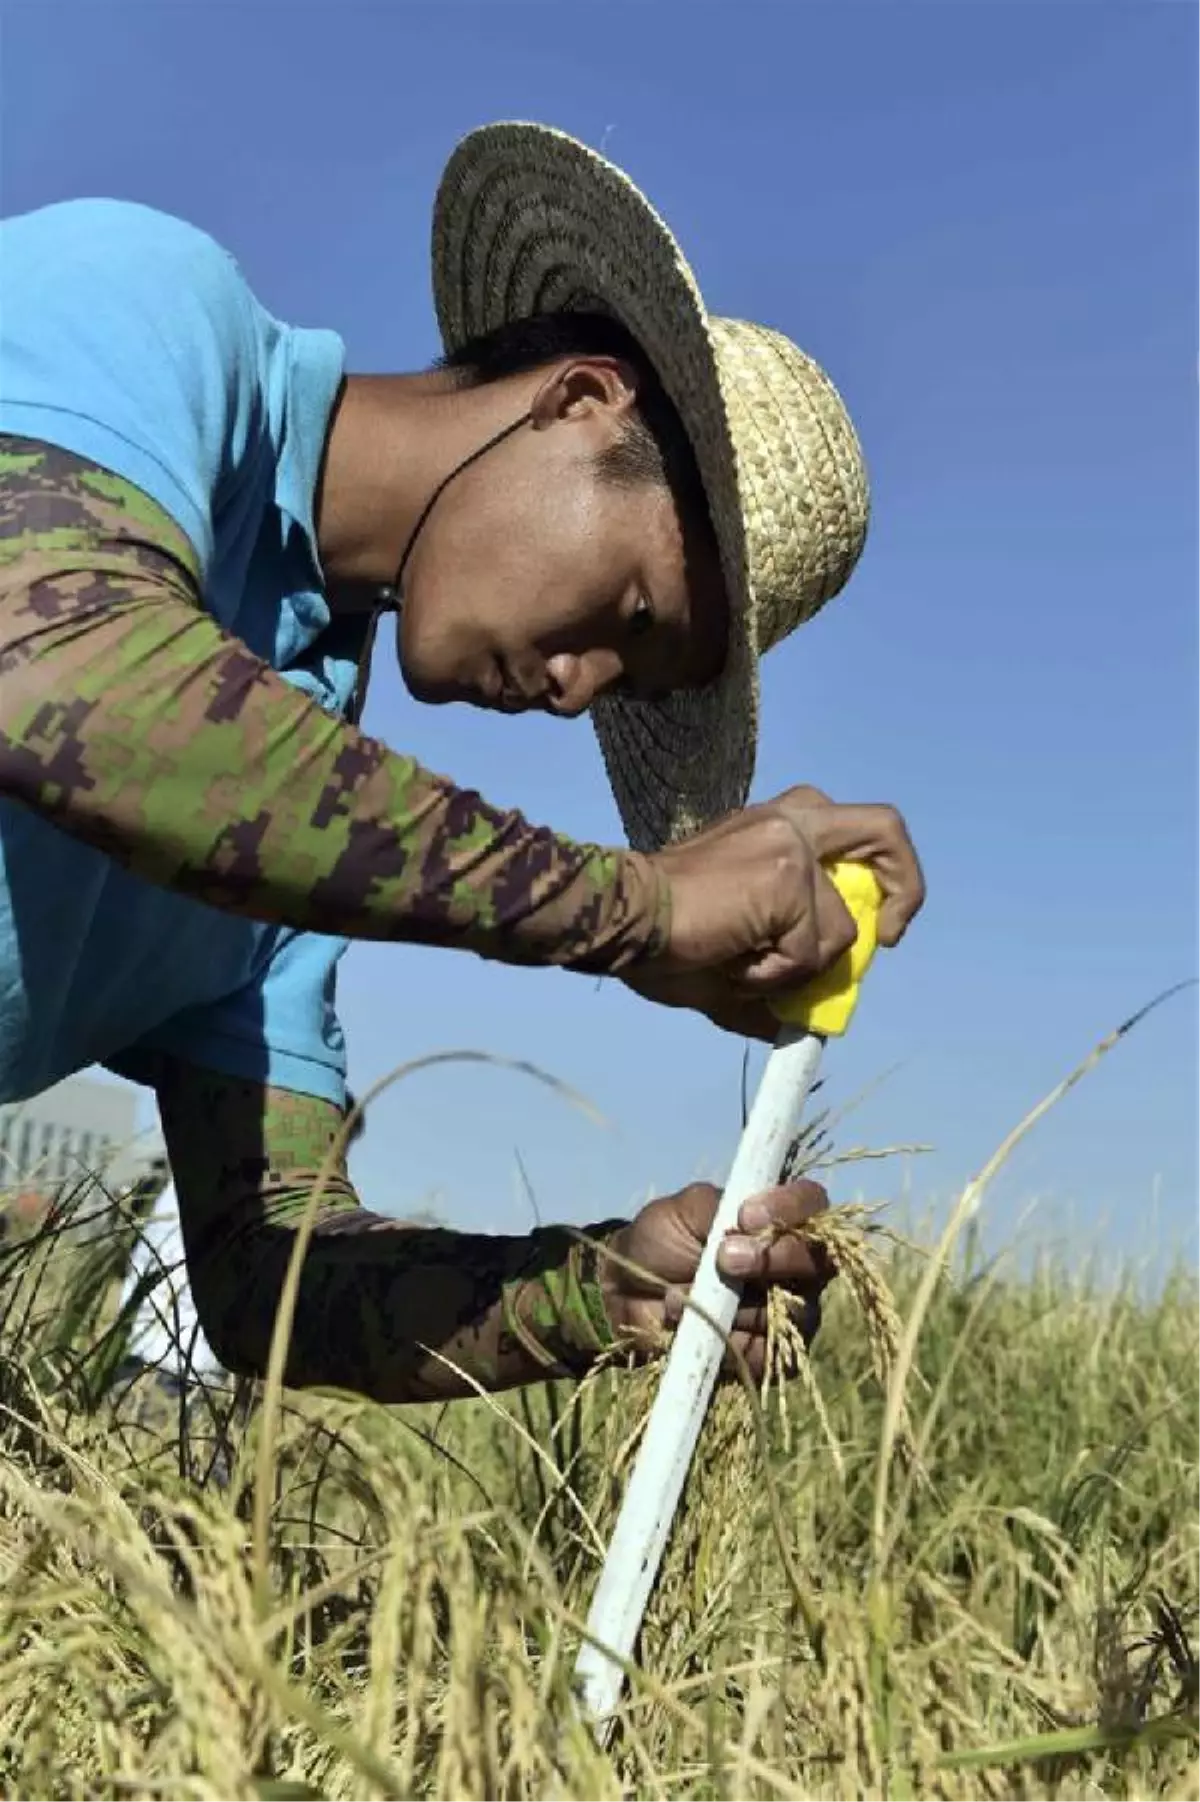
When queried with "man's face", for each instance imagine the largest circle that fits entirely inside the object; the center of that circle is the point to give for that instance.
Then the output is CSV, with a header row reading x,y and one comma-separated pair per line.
x,y
538,583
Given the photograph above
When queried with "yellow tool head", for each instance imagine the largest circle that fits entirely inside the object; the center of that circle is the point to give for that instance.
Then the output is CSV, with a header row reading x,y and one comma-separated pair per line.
x,y
825,1005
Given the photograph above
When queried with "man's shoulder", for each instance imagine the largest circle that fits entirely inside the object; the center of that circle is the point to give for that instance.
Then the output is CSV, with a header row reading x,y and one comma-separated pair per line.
x,y
94,243
129,337
80,223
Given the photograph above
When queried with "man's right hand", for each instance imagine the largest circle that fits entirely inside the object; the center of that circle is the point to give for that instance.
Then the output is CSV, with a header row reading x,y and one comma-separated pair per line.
x,y
754,914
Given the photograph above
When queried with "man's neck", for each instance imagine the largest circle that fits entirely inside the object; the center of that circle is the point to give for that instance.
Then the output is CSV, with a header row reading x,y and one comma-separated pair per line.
x,y
374,474
391,440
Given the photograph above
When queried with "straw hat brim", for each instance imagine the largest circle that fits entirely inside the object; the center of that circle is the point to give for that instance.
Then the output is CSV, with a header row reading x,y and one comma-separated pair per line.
x,y
528,221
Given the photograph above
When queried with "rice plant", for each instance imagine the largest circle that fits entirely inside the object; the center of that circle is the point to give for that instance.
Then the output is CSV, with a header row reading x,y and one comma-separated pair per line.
x,y
951,1551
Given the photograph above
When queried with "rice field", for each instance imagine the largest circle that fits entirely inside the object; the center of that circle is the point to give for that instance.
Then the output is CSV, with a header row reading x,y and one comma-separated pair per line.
x,y
952,1554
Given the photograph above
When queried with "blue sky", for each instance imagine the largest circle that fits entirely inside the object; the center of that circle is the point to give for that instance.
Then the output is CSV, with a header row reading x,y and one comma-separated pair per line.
x,y
980,219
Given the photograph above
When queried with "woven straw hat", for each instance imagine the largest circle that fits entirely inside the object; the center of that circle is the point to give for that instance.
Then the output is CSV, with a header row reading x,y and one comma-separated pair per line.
x,y
528,221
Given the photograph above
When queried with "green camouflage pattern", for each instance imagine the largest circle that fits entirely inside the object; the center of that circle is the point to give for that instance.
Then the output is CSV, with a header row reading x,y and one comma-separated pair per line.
x,y
378,1298
134,723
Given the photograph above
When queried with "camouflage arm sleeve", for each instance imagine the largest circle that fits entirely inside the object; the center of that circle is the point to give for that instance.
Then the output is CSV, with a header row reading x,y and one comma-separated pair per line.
x,y
377,1297
129,719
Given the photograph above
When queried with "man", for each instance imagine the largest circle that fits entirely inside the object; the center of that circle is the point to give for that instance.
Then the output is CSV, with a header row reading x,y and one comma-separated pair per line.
x,y
603,499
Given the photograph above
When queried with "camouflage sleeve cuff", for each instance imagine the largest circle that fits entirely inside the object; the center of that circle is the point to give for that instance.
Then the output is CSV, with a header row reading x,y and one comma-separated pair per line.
x,y
129,719
555,1307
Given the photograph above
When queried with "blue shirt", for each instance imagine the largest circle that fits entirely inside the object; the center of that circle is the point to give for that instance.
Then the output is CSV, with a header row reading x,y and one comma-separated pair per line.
x,y
132,339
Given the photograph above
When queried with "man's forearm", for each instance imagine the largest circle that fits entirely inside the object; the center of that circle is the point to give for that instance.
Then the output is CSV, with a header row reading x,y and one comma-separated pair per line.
x,y
129,719
396,1312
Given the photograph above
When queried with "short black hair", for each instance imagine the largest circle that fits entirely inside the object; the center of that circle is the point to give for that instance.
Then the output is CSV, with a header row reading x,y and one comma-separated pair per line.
x,y
654,448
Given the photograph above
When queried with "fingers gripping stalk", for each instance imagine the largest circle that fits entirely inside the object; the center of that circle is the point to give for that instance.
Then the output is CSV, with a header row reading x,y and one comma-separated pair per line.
x,y
648,1509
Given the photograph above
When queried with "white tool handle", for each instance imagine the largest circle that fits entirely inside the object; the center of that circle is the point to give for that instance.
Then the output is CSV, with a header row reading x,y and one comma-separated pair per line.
x,y
644,1523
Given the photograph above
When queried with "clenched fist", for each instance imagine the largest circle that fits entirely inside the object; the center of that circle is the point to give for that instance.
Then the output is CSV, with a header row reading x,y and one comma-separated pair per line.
x,y
667,1238
753,912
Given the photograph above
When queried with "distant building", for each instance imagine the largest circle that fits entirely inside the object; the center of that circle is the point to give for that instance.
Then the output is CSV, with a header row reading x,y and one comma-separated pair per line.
x,y
79,1128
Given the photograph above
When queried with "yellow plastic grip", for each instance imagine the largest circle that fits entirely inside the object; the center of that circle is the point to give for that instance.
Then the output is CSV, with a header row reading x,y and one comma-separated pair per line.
x,y
825,1004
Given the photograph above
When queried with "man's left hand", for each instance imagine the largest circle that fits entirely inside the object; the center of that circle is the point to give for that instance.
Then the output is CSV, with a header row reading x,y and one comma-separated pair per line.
x,y
667,1238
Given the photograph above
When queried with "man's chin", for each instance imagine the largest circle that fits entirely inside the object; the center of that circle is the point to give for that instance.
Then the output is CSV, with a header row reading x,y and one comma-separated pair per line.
x,y
431,692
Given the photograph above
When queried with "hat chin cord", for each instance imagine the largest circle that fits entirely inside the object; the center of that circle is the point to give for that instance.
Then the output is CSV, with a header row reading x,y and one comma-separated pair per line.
x,y
389,597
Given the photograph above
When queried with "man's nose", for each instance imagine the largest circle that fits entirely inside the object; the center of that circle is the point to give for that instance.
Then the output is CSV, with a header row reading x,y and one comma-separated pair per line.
x,y
575,681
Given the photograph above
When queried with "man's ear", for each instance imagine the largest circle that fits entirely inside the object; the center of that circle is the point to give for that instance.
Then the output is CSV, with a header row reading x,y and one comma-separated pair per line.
x,y
584,389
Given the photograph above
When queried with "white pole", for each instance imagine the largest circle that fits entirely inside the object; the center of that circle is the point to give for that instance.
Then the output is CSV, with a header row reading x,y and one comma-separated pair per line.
x,y
644,1523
